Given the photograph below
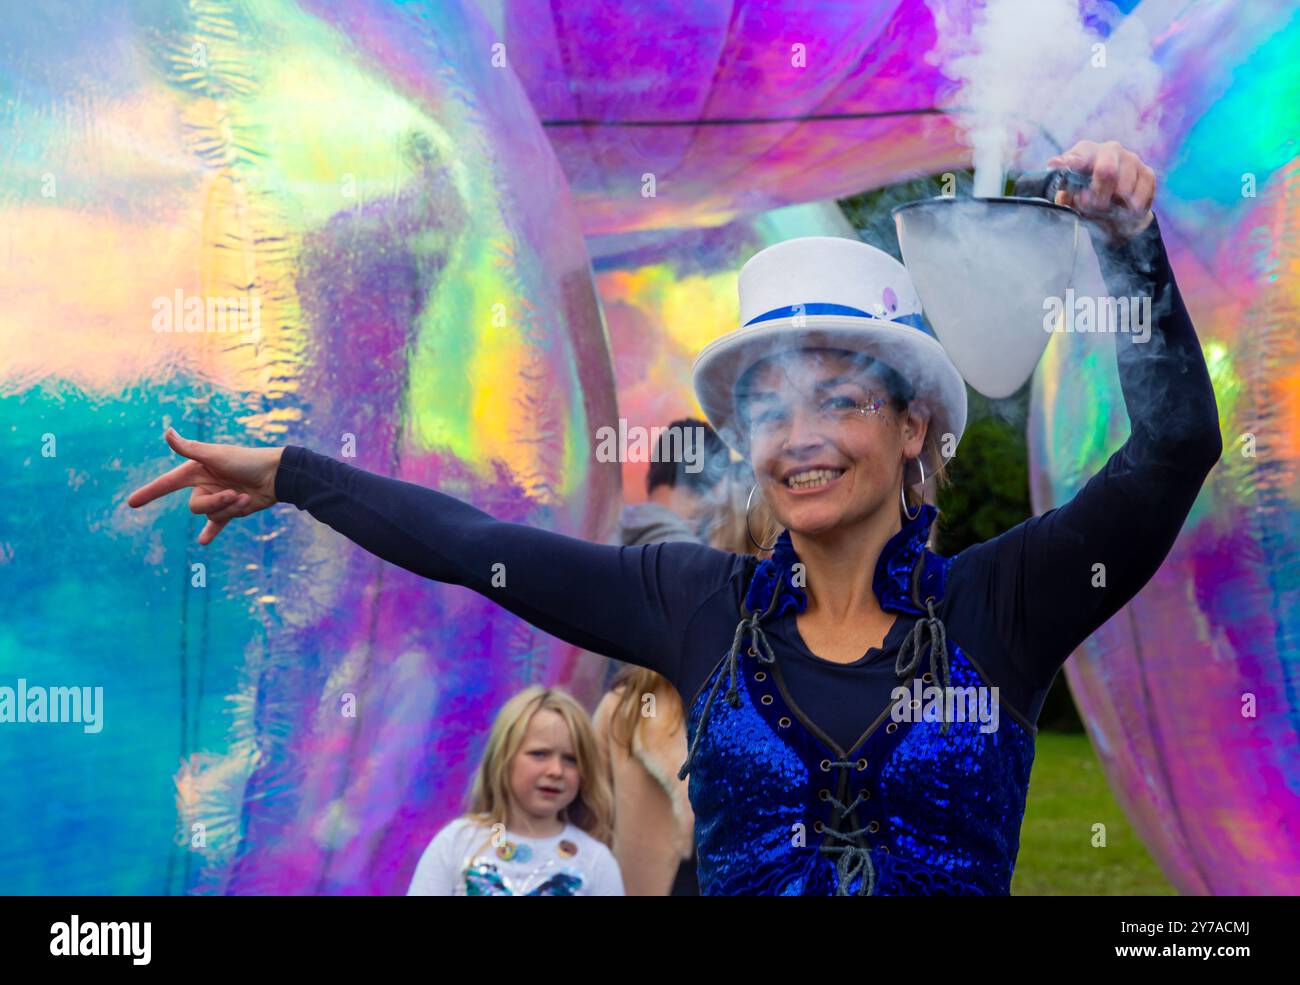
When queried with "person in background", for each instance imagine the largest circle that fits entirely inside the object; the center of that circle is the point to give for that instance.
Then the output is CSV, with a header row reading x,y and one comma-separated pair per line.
x,y
540,811
677,498
639,720
640,727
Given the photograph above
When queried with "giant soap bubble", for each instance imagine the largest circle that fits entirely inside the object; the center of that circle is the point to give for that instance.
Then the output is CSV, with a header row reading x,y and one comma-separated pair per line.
x,y
733,108
282,711
1190,693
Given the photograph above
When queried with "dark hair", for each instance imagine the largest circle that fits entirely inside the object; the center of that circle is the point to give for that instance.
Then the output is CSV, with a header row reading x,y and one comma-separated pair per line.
x,y
667,472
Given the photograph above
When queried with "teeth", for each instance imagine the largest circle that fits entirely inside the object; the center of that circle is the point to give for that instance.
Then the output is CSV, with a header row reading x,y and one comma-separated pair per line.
x,y
813,477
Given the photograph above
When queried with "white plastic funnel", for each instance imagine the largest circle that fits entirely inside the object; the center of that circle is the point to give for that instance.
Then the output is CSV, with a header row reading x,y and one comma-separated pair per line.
x,y
984,268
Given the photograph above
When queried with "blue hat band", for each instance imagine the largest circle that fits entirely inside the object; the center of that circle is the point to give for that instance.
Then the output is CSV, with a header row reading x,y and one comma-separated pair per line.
x,y
826,308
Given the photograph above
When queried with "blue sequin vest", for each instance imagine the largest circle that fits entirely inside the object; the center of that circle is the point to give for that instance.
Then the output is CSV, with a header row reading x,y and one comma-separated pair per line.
x,y
914,808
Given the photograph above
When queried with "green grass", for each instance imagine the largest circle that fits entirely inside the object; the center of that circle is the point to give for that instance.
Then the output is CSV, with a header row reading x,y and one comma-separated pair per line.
x,y
1068,794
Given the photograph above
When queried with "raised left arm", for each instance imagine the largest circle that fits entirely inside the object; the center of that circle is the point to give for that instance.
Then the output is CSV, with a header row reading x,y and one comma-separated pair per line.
x,y
1046,593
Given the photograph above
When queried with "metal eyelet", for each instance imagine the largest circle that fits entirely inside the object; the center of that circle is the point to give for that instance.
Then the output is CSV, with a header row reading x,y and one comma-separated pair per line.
x,y
873,827
929,600
891,728
885,849
866,794
766,699
818,827
825,764
927,677
823,794
862,764
760,675
783,722
751,651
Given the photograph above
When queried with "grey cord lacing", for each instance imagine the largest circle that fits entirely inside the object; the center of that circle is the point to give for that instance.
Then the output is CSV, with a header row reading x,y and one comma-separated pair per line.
x,y
854,856
761,650
933,626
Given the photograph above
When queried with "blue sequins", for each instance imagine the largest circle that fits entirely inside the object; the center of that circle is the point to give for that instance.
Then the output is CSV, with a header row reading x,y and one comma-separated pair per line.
x,y
914,808
945,809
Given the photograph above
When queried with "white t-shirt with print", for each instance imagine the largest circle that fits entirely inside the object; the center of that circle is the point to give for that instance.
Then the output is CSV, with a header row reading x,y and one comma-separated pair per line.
x,y
462,861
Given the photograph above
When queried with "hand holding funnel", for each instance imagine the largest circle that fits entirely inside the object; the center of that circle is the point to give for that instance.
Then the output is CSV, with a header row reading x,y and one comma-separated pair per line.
x,y
985,267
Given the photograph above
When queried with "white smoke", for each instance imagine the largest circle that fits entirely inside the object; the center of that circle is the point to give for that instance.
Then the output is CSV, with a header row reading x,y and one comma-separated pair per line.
x,y
1033,79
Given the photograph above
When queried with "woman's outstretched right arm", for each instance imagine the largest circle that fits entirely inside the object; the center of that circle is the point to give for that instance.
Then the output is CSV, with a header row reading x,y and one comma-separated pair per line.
x,y
625,602
631,603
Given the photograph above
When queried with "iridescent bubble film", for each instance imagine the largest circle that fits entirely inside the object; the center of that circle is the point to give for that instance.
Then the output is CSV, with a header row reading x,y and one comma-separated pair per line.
x,y
283,712
667,114
1191,694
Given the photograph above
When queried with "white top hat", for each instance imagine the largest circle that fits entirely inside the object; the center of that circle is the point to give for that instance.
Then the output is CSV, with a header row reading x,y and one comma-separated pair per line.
x,y
829,292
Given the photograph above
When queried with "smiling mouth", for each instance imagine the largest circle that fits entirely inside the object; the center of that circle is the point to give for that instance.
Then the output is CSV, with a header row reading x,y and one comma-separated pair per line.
x,y
812,478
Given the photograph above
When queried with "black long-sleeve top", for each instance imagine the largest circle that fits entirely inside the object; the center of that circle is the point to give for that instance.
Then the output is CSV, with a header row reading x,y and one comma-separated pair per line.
x,y
1018,603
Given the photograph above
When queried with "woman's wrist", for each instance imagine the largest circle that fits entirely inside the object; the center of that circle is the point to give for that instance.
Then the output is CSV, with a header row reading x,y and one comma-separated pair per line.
x,y
275,473
1137,265
284,480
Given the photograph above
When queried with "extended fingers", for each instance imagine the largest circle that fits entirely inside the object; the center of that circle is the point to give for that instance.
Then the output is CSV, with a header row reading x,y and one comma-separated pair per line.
x,y
182,476
187,446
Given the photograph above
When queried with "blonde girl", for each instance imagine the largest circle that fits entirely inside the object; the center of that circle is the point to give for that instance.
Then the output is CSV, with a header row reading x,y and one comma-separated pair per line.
x,y
540,811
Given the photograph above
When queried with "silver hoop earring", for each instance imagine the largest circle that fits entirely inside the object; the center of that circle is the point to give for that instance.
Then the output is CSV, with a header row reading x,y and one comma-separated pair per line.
x,y
749,502
902,492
